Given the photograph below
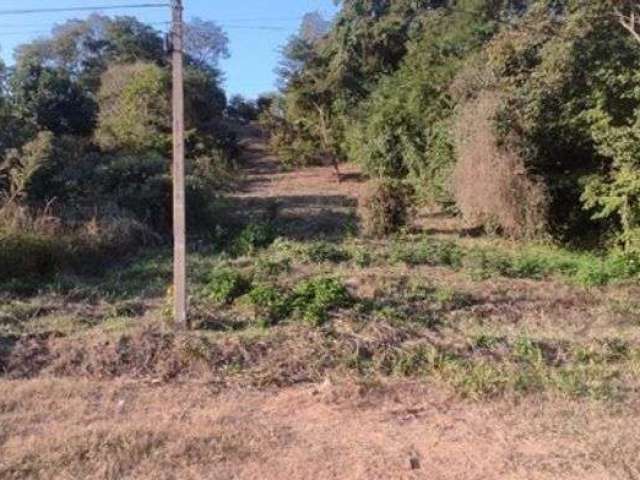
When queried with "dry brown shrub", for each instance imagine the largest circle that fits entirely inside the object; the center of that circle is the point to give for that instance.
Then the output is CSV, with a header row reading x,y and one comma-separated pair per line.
x,y
387,207
474,77
491,184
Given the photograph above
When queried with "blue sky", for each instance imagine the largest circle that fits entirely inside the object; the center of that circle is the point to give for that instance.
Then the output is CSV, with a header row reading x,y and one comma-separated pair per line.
x,y
256,28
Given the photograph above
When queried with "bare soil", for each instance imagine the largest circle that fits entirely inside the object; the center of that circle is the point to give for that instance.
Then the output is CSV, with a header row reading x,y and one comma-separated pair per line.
x,y
134,409
309,203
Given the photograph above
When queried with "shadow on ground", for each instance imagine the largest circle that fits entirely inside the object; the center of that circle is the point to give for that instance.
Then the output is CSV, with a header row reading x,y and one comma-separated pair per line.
x,y
301,217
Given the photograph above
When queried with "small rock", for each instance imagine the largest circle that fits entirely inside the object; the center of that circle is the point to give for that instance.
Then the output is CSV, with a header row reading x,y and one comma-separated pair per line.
x,y
414,462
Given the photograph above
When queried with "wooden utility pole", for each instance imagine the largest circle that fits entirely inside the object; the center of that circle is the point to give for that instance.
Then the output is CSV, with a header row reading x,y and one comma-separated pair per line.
x,y
179,211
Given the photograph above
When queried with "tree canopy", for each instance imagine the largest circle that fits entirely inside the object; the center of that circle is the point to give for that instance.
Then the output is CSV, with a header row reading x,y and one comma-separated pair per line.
x,y
85,120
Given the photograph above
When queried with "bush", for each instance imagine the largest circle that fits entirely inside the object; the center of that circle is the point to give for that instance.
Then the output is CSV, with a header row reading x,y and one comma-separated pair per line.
x,y
571,110
270,304
270,267
252,238
28,256
225,285
614,267
139,184
134,108
387,207
313,299
491,185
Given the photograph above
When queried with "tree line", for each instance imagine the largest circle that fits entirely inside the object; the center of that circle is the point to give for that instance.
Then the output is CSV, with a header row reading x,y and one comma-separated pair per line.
x,y
522,116
85,118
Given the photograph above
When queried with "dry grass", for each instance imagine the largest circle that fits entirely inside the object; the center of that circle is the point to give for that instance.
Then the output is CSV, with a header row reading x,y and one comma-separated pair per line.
x,y
68,429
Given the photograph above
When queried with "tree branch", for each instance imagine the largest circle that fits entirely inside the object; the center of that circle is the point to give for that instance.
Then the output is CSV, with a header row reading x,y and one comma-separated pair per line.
x,y
630,22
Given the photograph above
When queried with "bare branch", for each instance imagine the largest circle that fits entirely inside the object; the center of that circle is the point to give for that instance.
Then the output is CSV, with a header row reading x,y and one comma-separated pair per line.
x,y
629,17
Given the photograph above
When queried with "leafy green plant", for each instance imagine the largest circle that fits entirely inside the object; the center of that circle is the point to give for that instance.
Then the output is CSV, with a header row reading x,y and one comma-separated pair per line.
x,y
362,257
315,298
225,285
428,252
270,304
28,255
253,237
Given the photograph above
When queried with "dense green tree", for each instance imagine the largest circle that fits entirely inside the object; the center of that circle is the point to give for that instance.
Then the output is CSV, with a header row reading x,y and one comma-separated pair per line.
x,y
402,129
85,123
134,108
298,50
242,109
48,98
85,48
374,88
205,101
569,83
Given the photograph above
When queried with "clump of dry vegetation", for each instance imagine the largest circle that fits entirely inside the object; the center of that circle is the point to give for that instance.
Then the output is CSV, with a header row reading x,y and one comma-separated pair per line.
x,y
40,244
491,185
387,207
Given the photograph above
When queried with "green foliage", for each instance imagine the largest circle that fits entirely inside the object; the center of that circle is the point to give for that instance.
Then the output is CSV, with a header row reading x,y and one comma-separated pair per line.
x,y
534,261
139,184
85,126
429,252
134,108
242,110
572,113
84,137
326,76
272,267
311,301
315,298
253,237
37,247
402,129
205,43
374,89
270,304
292,140
205,101
382,86
84,48
362,257
225,285
29,256
49,99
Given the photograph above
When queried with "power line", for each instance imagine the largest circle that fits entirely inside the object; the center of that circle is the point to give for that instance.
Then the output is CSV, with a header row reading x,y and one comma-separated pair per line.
x,y
225,27
82,9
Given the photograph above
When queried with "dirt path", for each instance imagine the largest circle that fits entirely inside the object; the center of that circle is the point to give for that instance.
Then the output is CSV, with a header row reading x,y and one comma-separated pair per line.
x,y
308,203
